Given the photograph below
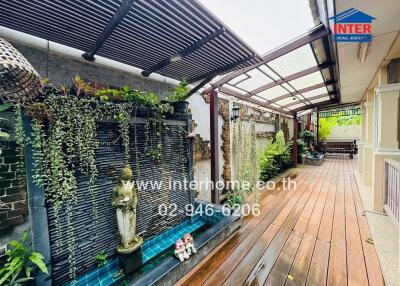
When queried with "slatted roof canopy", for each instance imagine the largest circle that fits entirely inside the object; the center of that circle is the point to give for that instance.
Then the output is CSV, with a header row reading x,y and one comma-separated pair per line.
x,y
179,39
296,76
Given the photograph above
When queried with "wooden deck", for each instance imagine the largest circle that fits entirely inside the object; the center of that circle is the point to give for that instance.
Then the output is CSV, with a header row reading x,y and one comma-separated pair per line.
x,y
314,235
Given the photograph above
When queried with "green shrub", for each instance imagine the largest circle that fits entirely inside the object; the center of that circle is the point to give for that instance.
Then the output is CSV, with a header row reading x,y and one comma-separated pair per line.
x,y
301,149
180,92
275,158
233,197
21,263
308,137
101,259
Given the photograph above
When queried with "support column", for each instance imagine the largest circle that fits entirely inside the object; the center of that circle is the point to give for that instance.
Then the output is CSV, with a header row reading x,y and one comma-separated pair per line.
x,y
368,147
295,139
318,149
386,144
37,210
361,144
214,145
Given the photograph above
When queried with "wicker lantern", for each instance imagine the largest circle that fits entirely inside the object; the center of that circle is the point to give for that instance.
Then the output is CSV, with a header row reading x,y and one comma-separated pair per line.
x,y
19,82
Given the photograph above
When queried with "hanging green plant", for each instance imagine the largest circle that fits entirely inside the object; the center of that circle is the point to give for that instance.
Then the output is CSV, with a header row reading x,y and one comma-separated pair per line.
x,y
64,140
124,119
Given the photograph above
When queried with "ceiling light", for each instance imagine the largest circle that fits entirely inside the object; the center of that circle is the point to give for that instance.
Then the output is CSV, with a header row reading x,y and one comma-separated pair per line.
x,y
363,51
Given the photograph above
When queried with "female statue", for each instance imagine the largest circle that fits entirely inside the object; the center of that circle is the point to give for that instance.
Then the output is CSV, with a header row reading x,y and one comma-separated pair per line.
x,y
125,200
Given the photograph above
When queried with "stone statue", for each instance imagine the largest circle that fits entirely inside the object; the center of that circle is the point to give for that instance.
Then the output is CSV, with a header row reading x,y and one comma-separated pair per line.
x,y
125,200
189,244
180,250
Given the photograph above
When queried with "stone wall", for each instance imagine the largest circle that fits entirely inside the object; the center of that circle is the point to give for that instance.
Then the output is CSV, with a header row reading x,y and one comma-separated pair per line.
x,y
13,205
60,69
13,201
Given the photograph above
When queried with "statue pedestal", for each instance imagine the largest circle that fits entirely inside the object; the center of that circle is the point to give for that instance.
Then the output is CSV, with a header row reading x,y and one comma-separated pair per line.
x,y
130,261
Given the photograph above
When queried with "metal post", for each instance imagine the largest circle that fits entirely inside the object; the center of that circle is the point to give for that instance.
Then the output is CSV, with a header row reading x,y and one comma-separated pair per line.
x,y
318,132
295,139
214,145
37,211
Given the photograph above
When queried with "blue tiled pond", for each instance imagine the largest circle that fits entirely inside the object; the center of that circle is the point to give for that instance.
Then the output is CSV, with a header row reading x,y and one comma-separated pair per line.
x,y
158,251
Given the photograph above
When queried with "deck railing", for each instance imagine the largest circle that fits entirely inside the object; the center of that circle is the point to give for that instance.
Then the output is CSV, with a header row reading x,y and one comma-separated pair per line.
x,y
391,189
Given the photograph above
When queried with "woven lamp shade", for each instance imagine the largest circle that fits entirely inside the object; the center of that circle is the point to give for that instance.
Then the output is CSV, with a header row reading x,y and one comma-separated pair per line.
x,y
19,82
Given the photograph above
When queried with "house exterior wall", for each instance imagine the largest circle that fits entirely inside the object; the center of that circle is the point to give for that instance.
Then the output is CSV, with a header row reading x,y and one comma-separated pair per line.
x,y
379,135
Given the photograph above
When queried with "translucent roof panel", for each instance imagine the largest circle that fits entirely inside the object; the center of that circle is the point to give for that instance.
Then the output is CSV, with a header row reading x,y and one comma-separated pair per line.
x,y
273,92
242,92
269,72
259,98
238,79
315,92
293,62
297,106
257,79
288,100
307,80
275,105
288,87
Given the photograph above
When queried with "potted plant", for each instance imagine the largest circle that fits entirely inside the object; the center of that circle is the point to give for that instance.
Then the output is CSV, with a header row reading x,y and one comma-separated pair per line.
x,y
308,137
179,96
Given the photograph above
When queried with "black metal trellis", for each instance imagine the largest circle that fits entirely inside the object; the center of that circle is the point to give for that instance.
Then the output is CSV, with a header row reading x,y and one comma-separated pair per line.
x,y
344,111
177,39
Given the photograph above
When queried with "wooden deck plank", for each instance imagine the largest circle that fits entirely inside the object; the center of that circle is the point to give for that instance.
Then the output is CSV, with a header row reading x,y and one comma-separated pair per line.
x,y
269,205
318,272
317,234
281,268
325,230
312,215
267,260
374,271
223,271
337,272
301,264
357,274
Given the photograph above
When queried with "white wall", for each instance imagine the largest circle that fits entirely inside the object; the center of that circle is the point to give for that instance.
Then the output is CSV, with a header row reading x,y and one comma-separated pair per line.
x,y
202,169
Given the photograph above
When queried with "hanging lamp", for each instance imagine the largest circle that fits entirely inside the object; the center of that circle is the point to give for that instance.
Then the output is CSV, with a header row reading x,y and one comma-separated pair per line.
x,y
19,81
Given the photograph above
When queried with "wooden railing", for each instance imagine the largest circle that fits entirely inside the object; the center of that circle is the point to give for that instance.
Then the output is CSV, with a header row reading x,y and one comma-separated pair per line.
x,y
391,189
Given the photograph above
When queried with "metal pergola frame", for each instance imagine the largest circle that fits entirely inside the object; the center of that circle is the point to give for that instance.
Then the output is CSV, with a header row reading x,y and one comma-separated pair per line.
x,y
222,85
176,39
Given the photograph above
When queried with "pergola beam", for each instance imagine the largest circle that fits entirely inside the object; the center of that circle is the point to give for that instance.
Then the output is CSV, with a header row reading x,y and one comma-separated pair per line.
x,y
319,104
116,19
183,53
317,33
309,99
290,78
306,89
236,94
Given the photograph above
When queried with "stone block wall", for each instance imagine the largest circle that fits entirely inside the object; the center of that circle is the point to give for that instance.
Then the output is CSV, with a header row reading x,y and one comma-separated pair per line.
x,y
60,69
13,204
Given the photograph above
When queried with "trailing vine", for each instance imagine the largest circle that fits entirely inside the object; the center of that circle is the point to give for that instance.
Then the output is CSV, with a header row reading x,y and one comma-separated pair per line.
x,y
20,140
124,119
64,142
